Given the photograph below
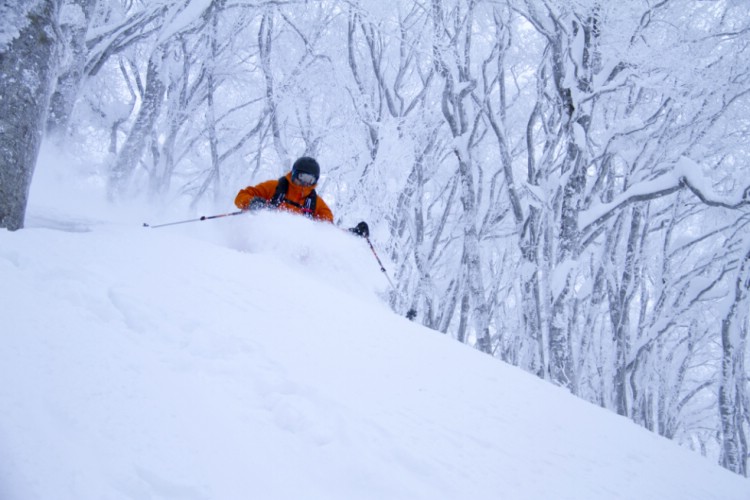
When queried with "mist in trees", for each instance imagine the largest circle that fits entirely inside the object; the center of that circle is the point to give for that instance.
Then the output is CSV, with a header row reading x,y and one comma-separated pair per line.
x,y
561,184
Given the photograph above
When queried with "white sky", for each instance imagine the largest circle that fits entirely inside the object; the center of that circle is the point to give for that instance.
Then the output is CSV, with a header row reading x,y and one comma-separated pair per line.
x,y
253,357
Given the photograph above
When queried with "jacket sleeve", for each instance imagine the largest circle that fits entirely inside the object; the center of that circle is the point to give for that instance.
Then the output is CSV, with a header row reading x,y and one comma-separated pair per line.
x,y
263,190
322,212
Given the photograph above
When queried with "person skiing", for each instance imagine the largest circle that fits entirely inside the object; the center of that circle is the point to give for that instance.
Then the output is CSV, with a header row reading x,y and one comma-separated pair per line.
x,y
294,192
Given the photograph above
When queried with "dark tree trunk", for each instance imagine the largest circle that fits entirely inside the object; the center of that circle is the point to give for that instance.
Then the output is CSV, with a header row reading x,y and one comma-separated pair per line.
x,y
27,73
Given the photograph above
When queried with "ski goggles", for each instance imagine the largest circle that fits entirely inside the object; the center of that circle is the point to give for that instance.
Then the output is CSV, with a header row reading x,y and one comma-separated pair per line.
x,y
304,179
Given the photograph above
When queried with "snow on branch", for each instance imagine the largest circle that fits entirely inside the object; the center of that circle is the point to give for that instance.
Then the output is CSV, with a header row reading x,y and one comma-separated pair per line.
x,y
193,12
690,176
161,18
685,174
643,191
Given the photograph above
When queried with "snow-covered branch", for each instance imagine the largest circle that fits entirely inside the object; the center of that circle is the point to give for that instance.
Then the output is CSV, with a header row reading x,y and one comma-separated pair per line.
x,y
685,174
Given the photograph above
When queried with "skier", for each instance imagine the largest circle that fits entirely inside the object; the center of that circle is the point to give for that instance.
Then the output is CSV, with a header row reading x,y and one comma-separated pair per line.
x,y
294,192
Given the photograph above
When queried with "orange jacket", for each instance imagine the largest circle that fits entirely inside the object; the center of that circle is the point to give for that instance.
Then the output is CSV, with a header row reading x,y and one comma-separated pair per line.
x,y
295,194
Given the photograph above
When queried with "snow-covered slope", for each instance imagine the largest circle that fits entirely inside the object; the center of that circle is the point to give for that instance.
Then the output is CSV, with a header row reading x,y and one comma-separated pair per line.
x,y
252,357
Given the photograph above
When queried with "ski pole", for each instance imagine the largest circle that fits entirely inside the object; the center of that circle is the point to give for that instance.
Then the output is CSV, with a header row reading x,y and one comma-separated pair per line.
x,y
203,217
382,268
411,313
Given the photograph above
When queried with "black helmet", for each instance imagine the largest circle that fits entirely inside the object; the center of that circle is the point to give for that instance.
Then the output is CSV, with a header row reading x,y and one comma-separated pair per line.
x,y
305,165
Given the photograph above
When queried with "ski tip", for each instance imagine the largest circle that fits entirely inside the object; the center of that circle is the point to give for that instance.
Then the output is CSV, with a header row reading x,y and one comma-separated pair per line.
x,y
146,224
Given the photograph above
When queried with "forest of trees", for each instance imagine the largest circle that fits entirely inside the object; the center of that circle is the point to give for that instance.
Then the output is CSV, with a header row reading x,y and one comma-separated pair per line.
x,y
562,184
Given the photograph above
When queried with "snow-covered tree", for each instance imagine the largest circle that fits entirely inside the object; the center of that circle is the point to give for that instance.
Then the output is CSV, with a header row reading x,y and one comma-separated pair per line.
x,y
561,184
29,41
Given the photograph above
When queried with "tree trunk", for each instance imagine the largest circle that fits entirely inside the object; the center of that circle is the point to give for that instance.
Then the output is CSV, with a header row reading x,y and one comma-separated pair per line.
x,y
265,42
532,300
69,81
27,73
132,149
733,384
619,311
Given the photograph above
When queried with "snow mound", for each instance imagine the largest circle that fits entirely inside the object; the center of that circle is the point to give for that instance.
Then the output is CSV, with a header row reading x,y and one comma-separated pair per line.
x,y
251,357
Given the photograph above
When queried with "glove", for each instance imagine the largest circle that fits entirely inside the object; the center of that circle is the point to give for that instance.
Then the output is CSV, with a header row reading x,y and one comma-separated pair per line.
x,y
361,229
257,203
